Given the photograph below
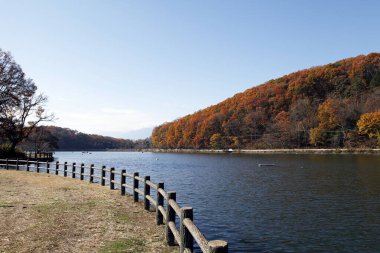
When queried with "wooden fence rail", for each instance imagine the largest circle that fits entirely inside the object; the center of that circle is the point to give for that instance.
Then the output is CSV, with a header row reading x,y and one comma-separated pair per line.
x,y
165,204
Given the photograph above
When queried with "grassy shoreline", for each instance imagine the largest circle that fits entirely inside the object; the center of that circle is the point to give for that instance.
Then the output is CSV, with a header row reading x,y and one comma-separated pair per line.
x,y
48,213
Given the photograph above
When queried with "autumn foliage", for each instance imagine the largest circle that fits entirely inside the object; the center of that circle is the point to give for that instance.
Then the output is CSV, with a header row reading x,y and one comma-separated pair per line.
x,y
319,106
369,124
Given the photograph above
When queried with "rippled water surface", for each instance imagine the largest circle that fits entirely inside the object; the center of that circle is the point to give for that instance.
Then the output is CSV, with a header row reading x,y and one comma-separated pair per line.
x,y
306,203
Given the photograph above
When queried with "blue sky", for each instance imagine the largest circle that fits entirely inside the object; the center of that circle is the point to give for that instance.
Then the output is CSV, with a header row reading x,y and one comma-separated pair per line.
x,y
112,67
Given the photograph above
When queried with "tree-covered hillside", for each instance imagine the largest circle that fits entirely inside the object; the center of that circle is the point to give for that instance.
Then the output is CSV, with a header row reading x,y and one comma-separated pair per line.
x,y
319,107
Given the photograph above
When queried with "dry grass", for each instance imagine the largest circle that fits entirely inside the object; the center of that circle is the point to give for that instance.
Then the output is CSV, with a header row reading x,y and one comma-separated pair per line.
x,y
48,213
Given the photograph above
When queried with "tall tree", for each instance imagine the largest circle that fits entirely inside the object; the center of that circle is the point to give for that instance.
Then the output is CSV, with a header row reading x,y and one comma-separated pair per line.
x,y
12,81
21,109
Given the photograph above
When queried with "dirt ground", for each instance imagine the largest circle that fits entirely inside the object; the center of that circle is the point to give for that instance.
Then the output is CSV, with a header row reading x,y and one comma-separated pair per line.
x,y
48,213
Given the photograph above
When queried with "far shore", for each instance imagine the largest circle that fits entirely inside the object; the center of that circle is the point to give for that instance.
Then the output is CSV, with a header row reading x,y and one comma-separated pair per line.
x,y
271,151
244,151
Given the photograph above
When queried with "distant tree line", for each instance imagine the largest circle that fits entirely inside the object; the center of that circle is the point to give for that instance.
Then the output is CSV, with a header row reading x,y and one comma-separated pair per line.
x,y
48,138
336,105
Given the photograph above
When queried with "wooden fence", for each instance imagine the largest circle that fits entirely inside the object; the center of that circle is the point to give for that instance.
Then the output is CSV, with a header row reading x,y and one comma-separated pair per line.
x,y
183,233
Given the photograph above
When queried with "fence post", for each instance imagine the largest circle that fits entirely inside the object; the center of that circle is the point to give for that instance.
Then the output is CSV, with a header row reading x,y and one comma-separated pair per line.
x,y
186,237
81,171
160,202
122,182
170,215
65,169
27,165
6,164
73,169
47,167
103,180
135,186
17,165
56,167
112,177
38,166
91,173
218,246
146,192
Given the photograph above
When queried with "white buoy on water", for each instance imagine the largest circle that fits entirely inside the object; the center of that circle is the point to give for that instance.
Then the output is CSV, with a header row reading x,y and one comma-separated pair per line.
x,y
266,164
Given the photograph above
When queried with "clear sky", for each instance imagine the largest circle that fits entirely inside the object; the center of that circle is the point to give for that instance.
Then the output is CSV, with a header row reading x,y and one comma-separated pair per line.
x,y
112,67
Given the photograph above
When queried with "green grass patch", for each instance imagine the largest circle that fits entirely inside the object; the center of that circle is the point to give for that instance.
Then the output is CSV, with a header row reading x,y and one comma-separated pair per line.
x,y
121,217
124,246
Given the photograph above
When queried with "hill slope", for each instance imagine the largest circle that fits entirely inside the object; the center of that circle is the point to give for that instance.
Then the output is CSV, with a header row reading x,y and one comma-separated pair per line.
x,y
314,107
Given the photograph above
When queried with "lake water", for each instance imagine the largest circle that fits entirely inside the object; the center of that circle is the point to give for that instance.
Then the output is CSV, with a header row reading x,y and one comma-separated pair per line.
x,y
306,203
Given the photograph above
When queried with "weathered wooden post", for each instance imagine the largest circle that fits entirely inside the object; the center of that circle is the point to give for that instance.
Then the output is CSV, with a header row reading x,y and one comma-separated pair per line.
x,y
160,202
170,215
146,193
47,167
17,165
56,167
187,240
73,169
112,178
103,180
135,186
218,246
38,166
27,165
82,171
65,169
122,182
91,179
6,164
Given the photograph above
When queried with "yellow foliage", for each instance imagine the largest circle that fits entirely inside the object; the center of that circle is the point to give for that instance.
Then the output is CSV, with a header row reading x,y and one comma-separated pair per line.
x,y
369,123
216,141
330,114
317,136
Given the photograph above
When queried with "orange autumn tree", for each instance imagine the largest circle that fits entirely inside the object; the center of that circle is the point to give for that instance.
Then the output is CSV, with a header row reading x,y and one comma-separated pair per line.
x,y
283,129
369,124
330,117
